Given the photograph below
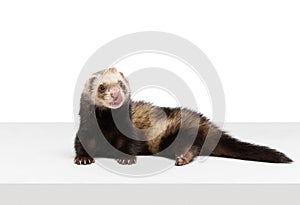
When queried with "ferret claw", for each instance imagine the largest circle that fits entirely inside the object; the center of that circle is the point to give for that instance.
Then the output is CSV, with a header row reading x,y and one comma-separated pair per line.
x,y
127,161
83,160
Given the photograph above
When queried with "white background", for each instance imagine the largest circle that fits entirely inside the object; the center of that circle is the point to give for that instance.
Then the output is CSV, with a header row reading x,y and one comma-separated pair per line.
x,y
254,46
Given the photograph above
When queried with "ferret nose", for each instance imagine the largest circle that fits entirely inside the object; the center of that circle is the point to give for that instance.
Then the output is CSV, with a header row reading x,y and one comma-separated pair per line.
x,y
115,94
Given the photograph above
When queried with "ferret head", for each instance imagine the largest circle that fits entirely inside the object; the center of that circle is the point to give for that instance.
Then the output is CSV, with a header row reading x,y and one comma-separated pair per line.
x,y
107,89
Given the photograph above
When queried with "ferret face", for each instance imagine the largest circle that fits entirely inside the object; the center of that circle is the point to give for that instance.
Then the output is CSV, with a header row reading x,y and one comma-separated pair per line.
x,y
108,88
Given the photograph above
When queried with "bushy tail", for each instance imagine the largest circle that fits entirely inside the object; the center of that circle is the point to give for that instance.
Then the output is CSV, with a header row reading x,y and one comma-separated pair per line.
x,y
232,148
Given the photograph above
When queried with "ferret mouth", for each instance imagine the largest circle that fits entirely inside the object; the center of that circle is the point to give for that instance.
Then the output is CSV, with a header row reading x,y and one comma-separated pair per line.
x,y
117,100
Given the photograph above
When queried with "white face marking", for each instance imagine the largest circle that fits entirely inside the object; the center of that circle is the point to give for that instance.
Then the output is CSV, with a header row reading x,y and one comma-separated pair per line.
x,y
111,79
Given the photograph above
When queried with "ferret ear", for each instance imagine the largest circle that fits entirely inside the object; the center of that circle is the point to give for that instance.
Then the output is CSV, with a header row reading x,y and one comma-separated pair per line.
x,y
124,77
113,70
122,74
89,83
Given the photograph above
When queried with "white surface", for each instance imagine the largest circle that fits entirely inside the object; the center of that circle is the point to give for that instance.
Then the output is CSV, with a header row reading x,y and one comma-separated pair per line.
x,y
43,153
254,45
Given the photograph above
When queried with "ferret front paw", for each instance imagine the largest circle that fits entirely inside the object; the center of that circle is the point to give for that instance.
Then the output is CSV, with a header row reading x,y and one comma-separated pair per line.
x,y
127,161
83,160
181,160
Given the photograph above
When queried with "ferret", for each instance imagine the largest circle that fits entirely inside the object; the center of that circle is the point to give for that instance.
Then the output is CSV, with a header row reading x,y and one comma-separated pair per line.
x,y
114,126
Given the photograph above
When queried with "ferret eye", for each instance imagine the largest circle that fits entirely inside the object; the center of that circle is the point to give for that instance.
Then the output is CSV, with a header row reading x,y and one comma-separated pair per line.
x,y
120,83
102,88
